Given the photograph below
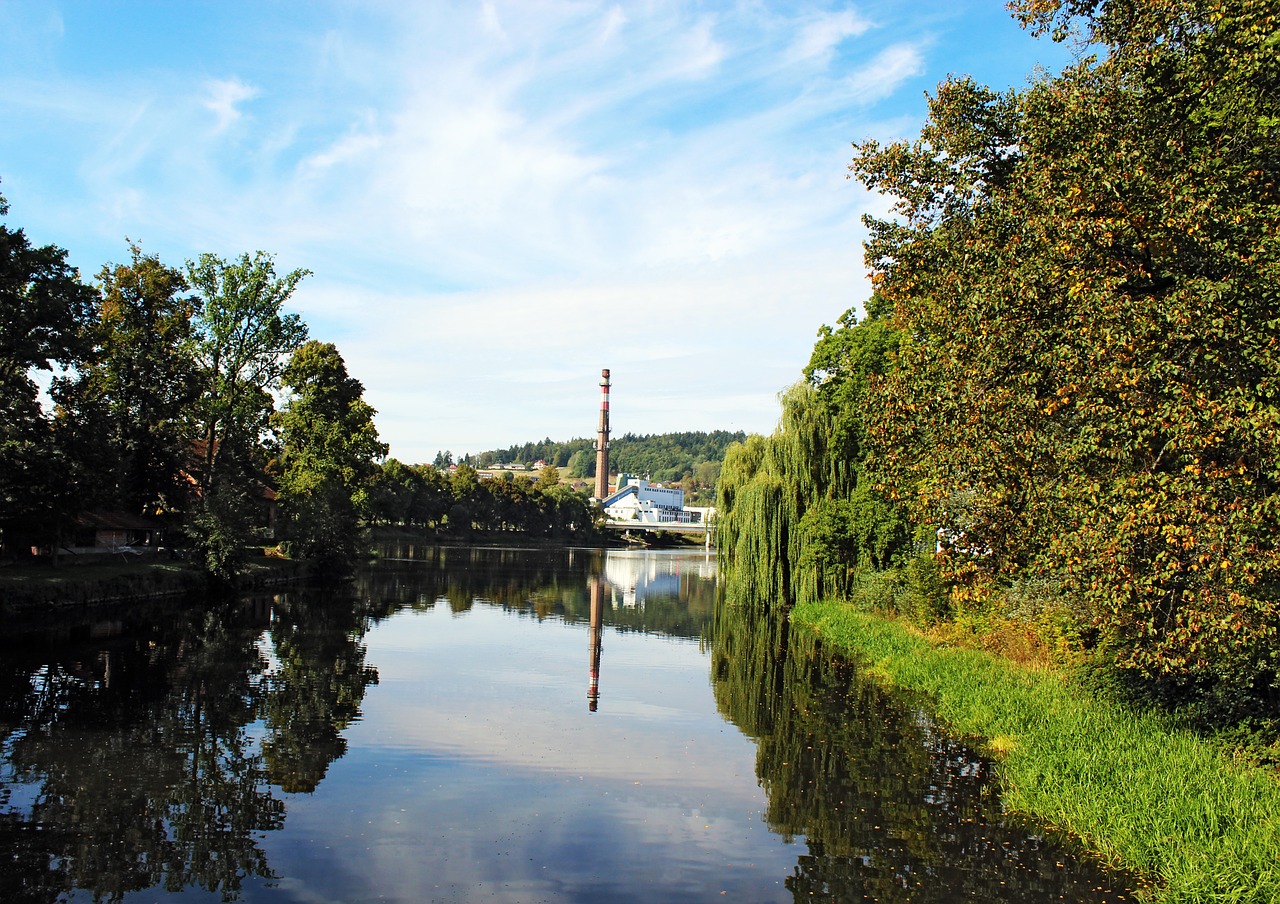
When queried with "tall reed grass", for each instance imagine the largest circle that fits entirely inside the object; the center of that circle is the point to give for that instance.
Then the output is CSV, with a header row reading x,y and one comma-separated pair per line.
x,y
1161,802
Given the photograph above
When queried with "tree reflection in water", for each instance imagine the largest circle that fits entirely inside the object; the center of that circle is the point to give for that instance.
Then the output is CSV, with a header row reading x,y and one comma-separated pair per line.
x,y
315,691
543,583
890,808
159,756
133,762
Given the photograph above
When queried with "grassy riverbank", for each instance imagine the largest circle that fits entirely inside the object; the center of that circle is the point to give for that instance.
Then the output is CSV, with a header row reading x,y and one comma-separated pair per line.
x,y
1159,801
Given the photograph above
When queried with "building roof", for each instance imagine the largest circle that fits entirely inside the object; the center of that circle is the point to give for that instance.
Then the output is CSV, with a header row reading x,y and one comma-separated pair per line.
x,y
617,495
101,520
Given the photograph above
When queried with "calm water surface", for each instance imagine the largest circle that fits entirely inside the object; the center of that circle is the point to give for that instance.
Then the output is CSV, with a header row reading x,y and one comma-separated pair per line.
x,y
489,725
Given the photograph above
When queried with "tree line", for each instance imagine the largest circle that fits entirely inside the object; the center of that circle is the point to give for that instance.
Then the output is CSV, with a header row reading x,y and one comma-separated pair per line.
x,y
162,385
690,460
459,503
1059,412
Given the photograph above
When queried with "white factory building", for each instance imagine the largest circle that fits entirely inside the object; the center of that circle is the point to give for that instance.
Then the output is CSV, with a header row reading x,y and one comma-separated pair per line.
x,y
635,499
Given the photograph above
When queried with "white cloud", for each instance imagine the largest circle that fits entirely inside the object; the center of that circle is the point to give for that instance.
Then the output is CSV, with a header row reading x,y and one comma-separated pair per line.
x,y
614,21
704,348
699,53
492,22
353,148
223,97
885,73
499,200
819,38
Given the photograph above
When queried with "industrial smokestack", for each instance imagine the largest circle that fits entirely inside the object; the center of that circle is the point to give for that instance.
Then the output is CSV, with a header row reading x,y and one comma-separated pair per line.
x,y
602,441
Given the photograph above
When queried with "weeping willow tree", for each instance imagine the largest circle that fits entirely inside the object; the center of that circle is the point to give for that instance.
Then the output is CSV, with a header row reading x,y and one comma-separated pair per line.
x,y
800,512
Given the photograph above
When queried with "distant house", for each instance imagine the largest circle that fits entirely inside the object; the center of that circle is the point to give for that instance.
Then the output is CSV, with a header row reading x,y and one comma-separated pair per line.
x,y
102,531
636,499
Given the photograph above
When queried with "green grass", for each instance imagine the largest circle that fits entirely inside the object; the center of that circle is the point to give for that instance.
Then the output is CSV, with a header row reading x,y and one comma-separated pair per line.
x,y
1161,802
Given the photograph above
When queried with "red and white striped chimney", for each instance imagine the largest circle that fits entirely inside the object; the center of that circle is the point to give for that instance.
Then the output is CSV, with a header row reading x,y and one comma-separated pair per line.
x,y
602,441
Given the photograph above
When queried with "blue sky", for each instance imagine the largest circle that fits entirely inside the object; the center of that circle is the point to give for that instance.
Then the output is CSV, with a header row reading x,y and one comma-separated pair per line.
x,y
497,199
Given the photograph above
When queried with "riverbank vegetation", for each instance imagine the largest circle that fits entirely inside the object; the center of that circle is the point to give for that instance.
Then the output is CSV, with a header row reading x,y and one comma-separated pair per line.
x,y
1052,431
1138,788
160,424
31,594
891,806
185,407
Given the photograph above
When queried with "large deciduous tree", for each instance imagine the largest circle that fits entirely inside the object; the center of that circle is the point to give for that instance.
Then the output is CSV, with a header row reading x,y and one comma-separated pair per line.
x,y
329,455
1086,275
243,340
128,406
43,310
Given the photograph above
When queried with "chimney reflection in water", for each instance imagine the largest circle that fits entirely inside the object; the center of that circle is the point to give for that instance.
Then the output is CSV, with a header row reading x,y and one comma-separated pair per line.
x,y
597,628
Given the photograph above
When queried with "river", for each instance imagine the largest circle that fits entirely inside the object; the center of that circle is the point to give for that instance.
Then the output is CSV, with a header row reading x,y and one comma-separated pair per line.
x,y
507,725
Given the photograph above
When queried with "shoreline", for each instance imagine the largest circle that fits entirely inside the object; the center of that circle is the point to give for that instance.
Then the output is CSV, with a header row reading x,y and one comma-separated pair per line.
x,y
1140,793
30,594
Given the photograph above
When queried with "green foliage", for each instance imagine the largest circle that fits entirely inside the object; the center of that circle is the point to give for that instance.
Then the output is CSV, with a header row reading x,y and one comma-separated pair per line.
x,y
861,532
417,495
663,457
329,455
925,589
165,406
914,588
44,309
667,457
461,503
243,340
1085,278
392,492
126,406
582,464
1134,787
218,529
800,512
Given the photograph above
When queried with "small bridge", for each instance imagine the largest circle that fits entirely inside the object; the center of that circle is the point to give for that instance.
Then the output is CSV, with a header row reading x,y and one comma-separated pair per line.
x,y
696,528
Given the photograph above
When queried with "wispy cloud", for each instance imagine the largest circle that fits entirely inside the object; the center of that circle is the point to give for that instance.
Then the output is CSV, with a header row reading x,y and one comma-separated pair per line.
x,y
819,38
223,97
885,73
541,188
614,20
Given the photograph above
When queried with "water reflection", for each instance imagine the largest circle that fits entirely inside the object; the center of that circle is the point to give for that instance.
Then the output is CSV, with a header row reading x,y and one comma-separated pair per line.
x,y
153,757
890,808
652,591
418,734
595,639
314,690
131,765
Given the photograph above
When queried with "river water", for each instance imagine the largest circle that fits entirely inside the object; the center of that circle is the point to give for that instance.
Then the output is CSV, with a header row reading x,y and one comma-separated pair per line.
x,y
490,725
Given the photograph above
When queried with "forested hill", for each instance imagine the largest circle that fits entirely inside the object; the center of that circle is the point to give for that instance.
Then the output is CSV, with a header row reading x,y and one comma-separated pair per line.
x,y
664,457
